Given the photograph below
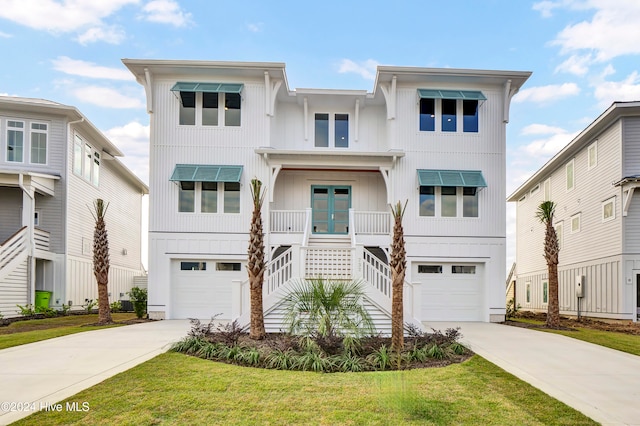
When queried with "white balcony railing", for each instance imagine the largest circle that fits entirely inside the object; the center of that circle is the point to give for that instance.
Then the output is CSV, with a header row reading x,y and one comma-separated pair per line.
x,y
372,223
41,239
288,221
294,222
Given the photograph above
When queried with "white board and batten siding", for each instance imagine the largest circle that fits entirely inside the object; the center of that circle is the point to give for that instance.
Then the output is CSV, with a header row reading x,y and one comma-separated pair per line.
x,y
13,289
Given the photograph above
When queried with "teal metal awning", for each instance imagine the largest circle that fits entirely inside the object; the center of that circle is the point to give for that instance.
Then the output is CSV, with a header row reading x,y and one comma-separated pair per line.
x,y
452,94
465,178
206,173
182,86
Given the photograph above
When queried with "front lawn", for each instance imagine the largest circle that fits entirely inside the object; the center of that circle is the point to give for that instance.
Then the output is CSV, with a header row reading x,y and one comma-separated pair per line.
x,y
177,389
34,330
624,342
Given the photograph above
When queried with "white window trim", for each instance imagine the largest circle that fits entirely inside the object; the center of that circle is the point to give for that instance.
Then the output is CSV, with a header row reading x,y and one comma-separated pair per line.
x,y
527,293
332,129
40,131
542,292
577,216
459,204
199,110
437,128
547,189
25,142
594,147
559,229
84,144
611,200
573,177
197,199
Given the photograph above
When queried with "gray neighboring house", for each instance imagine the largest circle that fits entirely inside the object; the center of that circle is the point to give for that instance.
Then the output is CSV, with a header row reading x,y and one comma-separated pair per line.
x,y
53,164
592,180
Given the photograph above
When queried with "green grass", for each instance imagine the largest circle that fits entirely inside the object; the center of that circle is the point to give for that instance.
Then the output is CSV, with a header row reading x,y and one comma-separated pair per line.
x,y
619,341
177,389
29,331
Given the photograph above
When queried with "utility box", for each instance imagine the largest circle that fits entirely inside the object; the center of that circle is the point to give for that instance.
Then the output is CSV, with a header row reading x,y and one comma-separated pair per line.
x,y
579,286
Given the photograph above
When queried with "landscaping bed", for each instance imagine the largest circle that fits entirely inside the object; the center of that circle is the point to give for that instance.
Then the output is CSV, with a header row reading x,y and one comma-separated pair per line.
x,y
567,323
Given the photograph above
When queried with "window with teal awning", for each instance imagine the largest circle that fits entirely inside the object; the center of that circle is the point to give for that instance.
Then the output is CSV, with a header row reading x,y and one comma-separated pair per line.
x,y
462,178
206,173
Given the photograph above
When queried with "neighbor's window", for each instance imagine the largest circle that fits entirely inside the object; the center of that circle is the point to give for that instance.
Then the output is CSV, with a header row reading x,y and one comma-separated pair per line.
x,y
592,155
608,210
15,141
429,269
86,161
569,170
463,269
527,287
545,292
575,223
38,143
558,227
547,189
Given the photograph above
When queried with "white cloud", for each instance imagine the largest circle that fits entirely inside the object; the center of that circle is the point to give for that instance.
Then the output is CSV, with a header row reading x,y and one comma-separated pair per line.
x,y
547,147
366,69
545,8
133,140
546,94
166,12
607,92
613,31
89,69
106,97
576,64
65,16
5,35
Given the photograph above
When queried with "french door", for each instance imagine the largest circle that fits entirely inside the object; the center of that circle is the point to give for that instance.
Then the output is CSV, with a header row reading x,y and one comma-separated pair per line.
x,y
330,209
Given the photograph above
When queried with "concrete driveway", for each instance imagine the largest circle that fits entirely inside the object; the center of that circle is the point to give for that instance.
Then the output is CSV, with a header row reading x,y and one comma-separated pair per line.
x,y
49,371
602,383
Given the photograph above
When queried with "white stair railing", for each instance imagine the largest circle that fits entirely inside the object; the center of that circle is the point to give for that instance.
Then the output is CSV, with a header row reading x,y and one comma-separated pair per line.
x,y
279,271
13,247
377,273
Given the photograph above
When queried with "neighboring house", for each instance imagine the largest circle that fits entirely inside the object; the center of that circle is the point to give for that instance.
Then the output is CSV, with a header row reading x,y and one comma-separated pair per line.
x,y
592,182
53,164
332,162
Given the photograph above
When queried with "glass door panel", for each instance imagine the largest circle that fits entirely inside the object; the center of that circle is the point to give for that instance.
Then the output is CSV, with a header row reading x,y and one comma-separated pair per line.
x,y
330,209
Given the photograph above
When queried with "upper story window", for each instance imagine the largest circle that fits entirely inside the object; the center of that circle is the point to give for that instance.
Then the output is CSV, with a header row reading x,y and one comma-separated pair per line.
x,y
331,130
592,155
448,108
449,193
209,104
609,209
15,141
86,161
39,143
570,175
207,188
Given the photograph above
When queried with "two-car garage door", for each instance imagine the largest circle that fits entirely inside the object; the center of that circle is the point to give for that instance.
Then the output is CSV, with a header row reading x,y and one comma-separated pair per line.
x,y
451,291
202,288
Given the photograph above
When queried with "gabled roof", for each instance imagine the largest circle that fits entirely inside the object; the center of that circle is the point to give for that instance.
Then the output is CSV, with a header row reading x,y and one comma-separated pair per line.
x,y
612,114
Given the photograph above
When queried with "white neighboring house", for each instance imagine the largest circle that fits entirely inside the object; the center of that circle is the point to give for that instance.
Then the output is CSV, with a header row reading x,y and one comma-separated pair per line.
x,y
332,162
592,180
53,164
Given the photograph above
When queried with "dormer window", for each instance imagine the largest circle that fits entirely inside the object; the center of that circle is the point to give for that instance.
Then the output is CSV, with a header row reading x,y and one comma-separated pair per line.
x,y
209,104
448,108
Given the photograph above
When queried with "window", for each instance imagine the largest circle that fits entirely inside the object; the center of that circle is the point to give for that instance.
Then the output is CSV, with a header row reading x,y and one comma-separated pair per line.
x,y
86,161
608,209
429,269
331,124
228,266
463,269
193,266
547,190
569,171
592,155
38,143
527,287
545,292
451,201
575,223
558,228
210,197
448,107
210,108
15,141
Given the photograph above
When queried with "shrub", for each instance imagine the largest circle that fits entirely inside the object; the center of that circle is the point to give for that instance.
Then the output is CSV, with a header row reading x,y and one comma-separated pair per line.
x,y
115,306
26,311
47,312
190,345
327,308
90,304
65,308
381,358
281,360
436,352
512,308
139,298
350,363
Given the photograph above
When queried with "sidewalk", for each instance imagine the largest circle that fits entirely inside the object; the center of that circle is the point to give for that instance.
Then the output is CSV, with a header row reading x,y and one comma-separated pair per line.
x,y
602,383
51,370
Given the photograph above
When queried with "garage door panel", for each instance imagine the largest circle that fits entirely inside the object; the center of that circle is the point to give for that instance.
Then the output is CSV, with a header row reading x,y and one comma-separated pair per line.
x,y
447,296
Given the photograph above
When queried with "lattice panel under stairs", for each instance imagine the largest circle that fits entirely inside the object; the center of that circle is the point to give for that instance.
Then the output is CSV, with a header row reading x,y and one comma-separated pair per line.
x,y
329,263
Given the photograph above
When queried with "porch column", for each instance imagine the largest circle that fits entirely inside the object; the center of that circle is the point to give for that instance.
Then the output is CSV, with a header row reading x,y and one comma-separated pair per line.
x,y
28,210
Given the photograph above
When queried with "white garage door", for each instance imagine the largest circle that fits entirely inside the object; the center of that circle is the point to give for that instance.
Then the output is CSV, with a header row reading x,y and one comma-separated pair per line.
x,y
201,289
451,291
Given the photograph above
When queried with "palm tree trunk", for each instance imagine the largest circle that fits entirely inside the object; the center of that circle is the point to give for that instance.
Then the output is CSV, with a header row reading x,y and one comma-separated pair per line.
x,y
398,266
553,310
256,265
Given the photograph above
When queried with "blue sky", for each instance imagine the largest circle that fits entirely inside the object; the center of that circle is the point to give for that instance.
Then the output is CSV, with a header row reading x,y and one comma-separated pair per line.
x,y
583,55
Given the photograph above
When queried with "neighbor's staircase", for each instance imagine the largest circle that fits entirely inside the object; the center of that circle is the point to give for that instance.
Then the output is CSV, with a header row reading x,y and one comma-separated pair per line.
x,y
14,267
333,257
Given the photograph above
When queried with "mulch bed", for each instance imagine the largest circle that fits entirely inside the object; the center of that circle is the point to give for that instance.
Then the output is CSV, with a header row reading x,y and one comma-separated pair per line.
x,y
567,323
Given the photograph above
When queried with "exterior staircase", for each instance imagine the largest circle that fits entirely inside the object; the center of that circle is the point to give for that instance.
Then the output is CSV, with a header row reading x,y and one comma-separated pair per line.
x,y
14,271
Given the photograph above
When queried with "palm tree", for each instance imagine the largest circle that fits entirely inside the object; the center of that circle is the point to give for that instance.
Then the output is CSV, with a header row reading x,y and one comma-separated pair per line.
x,y
101,261
551,250
255,265
398,265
